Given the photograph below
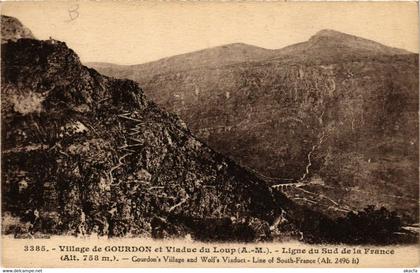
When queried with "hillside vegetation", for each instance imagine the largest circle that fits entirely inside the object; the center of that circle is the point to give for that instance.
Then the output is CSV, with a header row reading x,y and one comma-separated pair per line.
x,y
336,107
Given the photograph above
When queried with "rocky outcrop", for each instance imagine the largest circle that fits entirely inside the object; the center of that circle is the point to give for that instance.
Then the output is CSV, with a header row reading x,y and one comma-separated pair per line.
x,y
12,29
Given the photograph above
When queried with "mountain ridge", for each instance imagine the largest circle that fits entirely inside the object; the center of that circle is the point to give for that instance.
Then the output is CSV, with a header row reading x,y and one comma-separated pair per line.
x,y
223,53
333,98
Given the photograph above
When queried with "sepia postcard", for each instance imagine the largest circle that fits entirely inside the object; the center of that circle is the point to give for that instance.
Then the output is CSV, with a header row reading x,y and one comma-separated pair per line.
x,y
209,134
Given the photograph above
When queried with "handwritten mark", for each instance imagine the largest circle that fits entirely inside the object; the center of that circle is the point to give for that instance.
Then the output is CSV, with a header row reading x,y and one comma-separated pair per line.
x,y
73,12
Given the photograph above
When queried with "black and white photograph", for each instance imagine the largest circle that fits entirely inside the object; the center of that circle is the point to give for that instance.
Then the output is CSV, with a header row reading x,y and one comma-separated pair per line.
x,y
211,123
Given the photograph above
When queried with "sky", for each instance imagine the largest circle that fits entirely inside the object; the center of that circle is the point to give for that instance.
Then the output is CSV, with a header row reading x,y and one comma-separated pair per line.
x,y
128,32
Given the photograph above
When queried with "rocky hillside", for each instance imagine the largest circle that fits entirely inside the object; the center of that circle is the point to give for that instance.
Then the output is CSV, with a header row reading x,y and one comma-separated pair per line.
x,y
337,108
86,154
12,29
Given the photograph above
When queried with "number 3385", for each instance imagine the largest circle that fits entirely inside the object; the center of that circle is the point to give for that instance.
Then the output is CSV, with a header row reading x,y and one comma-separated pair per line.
x,y
34,248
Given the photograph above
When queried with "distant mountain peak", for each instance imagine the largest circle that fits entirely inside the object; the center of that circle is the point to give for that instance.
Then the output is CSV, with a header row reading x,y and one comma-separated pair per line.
x,y
337,36
328,41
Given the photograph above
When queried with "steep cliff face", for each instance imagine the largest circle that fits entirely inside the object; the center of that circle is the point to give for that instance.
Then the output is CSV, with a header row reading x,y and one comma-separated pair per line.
x,y
337,107
83,153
